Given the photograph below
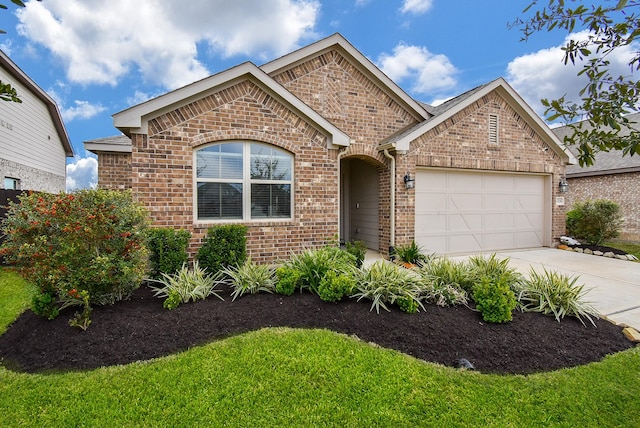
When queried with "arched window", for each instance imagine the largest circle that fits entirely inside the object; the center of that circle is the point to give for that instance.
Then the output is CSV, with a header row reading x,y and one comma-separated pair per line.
x,y
243,180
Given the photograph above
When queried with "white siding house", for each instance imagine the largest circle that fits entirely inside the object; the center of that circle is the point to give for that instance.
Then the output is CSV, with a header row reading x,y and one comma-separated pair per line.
x,y
34,143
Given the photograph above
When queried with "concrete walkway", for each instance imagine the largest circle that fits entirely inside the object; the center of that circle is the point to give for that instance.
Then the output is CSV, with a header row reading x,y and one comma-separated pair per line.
x,y
614,285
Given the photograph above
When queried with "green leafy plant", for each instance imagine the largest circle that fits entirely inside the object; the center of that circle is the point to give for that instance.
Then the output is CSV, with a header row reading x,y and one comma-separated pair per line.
x,y
187,285
335,285
495,300
358,249
384,283
288,279
91,240
553,293
82,319
443,280
594,221
313,265
250,278
408,305
497,270
223,246
167,250
410,253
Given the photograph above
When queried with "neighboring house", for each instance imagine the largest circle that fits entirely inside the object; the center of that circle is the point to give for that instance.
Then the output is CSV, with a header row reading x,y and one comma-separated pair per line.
x,y
34,143
320,144
612,176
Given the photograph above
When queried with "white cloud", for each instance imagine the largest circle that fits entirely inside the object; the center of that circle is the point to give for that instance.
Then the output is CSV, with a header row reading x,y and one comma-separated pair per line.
x,y
81,109
82,174
430,73
100,42
543,74
416,6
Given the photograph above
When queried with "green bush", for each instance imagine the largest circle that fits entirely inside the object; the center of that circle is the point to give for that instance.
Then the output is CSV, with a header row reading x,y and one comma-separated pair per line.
x,y
443,280
334,286
495,300
313,265
288,279
167,250
89,241
497,270
594,221
250,278
386,283
410,253
187,284
557,294
359,250
223,246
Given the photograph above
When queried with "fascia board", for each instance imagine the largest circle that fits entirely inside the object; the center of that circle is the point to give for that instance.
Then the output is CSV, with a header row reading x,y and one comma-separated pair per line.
x,y
366,66
105,147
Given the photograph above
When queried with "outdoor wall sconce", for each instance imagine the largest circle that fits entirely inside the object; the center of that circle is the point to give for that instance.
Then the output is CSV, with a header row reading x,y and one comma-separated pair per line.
x,y
563,186
409,183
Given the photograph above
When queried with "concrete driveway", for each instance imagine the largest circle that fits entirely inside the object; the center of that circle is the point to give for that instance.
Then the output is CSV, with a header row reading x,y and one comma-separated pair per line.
x,y
614,285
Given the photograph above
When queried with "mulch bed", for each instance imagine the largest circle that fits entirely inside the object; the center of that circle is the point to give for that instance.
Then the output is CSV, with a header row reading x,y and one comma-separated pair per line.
x,y
141,329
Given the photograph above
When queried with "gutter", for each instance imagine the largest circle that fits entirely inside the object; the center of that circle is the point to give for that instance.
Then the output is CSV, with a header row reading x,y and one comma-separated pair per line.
x,y
392,215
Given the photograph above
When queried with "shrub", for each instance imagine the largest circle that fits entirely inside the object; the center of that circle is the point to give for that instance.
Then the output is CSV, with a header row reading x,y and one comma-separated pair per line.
x,y
167,250
594,221
410,253
385,283
313,265
223,246
494,299
443,280
359,250
334,286
90,241
288,279
553,293
250,278
497,270
187,284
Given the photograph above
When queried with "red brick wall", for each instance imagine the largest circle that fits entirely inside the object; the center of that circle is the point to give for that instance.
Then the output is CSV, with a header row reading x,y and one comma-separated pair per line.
x,y
623,189
114,170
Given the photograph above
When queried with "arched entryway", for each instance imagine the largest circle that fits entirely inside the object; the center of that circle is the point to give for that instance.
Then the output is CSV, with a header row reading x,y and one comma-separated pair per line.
x,y
360,202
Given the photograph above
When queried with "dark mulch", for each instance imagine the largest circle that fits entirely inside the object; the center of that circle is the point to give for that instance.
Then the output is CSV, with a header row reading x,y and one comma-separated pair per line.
x,y
602,248
140,329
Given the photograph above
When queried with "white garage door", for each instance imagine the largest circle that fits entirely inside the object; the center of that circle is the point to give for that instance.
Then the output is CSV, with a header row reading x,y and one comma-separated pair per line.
x,y
463,212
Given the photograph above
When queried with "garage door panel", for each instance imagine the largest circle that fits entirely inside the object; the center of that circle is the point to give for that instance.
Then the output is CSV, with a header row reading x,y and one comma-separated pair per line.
x,y
462,212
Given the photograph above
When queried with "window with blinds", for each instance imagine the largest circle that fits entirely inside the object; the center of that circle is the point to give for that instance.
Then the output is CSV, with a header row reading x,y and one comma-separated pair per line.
x,y
243,181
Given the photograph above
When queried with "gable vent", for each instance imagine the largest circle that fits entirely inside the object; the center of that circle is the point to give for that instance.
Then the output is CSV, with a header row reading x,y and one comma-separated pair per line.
x,y
493,129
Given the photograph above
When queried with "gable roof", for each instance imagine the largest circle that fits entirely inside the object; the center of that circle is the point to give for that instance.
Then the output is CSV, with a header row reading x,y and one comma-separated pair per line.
x,y
453,106
116,143
605,163
135,119
52,107
368,68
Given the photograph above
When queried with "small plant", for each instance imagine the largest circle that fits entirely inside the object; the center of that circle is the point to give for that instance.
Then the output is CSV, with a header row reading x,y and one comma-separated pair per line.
x,y
410,254
250,278
408,305
385,283
168,250
497,270
594,221
223,246
81,319
45,304
313,265
334,286
443,280
187,284
288,279
494,300
359,250
557,294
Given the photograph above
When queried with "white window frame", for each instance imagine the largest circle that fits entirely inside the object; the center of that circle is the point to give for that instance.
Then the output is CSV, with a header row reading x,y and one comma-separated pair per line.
x,y
246,182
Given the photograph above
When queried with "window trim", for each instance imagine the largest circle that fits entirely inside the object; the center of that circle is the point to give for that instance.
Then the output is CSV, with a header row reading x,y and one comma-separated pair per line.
x,y
246,182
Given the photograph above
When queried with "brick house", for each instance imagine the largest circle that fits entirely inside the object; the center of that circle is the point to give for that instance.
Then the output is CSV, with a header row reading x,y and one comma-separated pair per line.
x,y
612,176
320,144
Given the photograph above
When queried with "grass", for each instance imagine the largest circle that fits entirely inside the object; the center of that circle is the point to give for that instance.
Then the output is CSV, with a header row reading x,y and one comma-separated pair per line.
x,y
630,247
288,377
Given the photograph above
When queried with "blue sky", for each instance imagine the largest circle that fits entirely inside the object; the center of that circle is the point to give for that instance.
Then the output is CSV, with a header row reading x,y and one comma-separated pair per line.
x,y
96,58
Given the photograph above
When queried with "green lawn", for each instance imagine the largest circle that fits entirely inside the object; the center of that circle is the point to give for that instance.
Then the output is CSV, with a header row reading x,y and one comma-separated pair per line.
x,y
287,377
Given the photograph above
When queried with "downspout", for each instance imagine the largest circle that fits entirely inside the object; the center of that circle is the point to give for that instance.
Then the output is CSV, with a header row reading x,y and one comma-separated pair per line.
x,y
392,216
341,152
